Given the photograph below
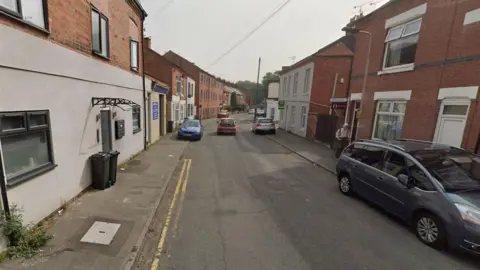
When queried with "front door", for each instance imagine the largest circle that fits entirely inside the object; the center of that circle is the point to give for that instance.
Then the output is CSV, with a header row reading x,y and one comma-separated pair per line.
x,y
451,122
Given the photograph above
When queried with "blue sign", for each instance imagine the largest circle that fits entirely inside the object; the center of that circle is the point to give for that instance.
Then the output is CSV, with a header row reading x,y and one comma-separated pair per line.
x,y
155,110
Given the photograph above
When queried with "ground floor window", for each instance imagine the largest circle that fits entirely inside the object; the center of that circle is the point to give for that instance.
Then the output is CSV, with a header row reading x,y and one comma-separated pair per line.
x,y
182,112
136,116
304,116
176,112
389,120
26,144
272,113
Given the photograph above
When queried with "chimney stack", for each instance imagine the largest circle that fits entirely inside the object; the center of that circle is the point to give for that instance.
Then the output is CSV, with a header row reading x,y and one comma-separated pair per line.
x,y
148,42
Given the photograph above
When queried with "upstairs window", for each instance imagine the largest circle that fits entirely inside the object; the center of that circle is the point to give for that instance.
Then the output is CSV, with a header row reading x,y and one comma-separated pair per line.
x,y
100,40
401,44
284,86
295,83
307,81
134,55
32,11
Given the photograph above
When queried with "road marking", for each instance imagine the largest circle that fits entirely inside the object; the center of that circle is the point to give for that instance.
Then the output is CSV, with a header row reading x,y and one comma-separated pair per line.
x,y
182,198
163,236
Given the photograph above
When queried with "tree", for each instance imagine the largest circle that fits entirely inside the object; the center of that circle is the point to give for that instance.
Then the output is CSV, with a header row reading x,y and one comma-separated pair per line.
x,y
233,101
250,88
269,77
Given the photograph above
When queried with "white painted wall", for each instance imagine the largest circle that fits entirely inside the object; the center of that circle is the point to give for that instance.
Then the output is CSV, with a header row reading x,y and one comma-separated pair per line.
x,y
273,90
65,87
272,104
299,99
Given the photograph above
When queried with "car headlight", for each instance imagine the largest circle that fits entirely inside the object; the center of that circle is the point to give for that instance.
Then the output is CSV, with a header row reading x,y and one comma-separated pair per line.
x,y
469,214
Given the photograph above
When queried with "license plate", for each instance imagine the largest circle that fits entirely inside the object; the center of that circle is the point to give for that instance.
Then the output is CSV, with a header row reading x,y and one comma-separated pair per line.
x,y
187,134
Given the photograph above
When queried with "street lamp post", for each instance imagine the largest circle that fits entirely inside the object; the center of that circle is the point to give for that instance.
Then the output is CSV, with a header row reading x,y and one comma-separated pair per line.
x,y
367,63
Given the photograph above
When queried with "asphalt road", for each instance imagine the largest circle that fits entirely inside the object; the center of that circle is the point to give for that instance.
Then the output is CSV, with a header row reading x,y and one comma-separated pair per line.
x,y
251,204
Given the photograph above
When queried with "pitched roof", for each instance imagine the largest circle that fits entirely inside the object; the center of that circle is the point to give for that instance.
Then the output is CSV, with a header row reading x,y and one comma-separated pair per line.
x,y
347,40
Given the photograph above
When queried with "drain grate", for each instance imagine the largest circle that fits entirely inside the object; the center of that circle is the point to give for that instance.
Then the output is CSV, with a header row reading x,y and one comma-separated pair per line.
x,y
101,233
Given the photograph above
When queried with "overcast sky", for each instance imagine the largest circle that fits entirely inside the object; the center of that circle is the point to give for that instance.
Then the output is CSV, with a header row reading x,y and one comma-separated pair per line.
x,y
202,30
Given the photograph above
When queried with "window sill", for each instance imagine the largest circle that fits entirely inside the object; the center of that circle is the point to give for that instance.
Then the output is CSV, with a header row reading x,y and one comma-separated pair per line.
x,y
22,21
30,175
101,55
397,69
137,131
134,69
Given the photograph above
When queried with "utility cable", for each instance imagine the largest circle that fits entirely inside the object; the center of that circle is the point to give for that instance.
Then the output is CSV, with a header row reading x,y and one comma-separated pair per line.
x,y
250,33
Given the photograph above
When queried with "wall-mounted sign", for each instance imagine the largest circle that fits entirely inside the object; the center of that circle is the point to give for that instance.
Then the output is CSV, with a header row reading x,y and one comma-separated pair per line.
x,y
281,104
342,105
155,110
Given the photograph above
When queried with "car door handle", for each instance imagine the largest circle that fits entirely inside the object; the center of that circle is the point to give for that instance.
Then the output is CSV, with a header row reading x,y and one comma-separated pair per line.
x,y
380,178
355,166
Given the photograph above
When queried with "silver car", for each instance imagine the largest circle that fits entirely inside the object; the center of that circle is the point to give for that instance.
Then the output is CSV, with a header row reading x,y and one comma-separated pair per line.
x,y
264,125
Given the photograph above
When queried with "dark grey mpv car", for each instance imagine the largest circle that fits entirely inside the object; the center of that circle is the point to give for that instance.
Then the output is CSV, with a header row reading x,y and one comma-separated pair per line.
x,y
435,188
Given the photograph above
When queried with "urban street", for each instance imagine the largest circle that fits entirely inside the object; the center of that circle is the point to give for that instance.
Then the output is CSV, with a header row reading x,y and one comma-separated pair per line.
x,y
245,202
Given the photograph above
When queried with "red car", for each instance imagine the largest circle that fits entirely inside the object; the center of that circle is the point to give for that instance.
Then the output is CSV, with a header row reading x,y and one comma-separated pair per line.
x,y
226,126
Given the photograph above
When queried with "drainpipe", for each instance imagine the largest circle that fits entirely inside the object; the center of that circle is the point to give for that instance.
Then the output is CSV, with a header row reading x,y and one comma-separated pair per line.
x,y
3,187
144,89
333,91
347,113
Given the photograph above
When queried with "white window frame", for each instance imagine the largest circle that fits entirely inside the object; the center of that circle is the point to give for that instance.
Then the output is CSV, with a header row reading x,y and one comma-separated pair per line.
x,y
134,55
306,86
19,13
295,83
390,112
284,86
288,84
403,26
303,119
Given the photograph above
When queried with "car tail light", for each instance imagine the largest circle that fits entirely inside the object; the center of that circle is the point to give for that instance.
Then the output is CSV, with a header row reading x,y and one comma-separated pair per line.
x,y
257,125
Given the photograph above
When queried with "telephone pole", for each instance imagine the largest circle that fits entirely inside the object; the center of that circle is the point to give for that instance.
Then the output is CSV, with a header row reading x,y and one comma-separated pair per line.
x,y
256,93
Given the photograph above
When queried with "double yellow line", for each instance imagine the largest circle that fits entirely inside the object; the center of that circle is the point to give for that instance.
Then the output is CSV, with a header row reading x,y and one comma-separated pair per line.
x,y
180,190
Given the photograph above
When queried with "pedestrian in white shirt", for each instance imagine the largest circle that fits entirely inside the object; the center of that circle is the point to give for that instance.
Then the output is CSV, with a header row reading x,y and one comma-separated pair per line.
x,y
343,138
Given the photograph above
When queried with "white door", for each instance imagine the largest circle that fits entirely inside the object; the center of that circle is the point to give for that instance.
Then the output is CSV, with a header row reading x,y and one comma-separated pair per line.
x,y
451,122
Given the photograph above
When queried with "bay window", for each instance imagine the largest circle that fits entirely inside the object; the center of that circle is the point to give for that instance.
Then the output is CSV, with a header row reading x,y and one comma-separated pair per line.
x,y
100,38
26,144
35,12
389,120
401,44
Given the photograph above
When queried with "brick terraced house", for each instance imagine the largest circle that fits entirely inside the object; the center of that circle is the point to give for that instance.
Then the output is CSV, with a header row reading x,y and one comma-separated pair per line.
x,y
208,89
423,77
69,73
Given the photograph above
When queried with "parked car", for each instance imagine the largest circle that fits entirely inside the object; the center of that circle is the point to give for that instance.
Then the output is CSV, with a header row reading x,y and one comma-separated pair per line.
x,y
264,125
191,129
434,188
226,126
260,113
251,111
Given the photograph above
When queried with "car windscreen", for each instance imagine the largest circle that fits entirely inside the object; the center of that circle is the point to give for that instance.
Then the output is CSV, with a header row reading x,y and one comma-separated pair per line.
x,y
458,171
188,124
227,123
265,121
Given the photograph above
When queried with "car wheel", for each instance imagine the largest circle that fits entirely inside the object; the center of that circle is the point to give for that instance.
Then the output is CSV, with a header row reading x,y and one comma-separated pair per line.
x,y
218,133
345,185
256,132
429,229
274,132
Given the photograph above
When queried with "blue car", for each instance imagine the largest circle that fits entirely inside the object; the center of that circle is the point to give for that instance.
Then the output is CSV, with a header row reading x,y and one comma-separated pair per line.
x,y
190,129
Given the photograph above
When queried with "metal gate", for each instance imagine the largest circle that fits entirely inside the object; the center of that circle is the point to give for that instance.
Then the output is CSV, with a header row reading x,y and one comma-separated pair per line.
x,y
326,128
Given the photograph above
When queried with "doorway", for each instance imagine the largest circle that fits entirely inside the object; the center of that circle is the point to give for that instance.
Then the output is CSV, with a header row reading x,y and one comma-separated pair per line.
x,y
451,122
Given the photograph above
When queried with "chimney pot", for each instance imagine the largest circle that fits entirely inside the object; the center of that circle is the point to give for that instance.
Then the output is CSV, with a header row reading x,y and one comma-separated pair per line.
x,y
148,42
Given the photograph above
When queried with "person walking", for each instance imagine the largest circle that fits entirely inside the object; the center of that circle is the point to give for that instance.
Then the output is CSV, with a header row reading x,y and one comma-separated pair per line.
x,y
343,139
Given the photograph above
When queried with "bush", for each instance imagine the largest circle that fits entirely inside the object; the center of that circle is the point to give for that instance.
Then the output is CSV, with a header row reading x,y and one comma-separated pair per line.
x,y
24,240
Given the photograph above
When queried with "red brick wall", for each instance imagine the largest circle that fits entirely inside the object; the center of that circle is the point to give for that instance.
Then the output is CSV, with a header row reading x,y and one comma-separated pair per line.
x,y
335,60
442,36
70,26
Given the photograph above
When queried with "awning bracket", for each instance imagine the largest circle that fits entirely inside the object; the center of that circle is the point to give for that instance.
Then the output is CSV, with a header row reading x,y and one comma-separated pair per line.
x,y
106,101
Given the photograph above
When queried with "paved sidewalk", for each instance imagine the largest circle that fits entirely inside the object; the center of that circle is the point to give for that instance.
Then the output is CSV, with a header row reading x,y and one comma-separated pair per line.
x,y
316,153
130,203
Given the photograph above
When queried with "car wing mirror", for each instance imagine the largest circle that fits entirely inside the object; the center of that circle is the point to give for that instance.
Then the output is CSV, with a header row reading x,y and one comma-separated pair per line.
x,y
405,180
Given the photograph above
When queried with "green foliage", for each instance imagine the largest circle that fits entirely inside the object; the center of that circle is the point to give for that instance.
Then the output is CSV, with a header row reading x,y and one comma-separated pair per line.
x,y
24,240
250,88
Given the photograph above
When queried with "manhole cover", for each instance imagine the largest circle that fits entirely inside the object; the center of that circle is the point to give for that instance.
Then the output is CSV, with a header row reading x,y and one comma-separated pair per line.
x,y
101,233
